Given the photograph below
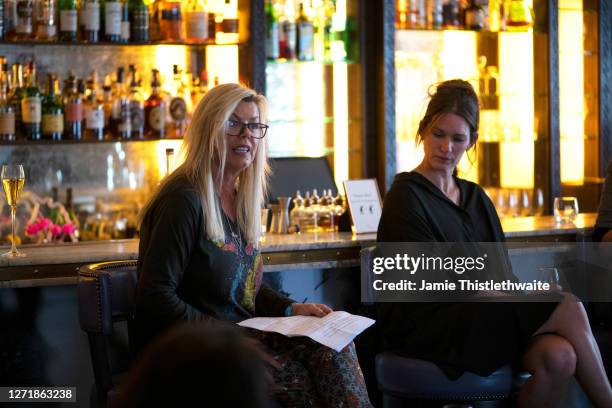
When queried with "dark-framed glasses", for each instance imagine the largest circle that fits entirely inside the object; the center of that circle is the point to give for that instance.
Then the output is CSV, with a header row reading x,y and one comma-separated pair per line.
x,y
235,128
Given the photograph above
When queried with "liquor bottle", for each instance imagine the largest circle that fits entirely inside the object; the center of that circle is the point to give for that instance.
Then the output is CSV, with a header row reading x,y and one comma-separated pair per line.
x,y
329,9
494,15
155,109
287,37
519,15
68,20
401,14
91,21
31,106
178,105
137,113
169,160
10,19
112,21
15,98
196,24
69,206
25,9
52,112
474,16
272,32
450,14
229,26
125,23
107,102
94,111
171,21
416,14
305,36
73,108
121,119
434,14
7,115
46,22
154,34
139,21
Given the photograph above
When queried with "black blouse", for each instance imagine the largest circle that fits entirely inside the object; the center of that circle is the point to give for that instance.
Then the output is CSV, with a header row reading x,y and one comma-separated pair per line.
x,y
184,276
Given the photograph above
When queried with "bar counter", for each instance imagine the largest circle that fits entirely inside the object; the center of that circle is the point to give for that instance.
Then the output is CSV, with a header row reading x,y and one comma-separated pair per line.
x,y
47,265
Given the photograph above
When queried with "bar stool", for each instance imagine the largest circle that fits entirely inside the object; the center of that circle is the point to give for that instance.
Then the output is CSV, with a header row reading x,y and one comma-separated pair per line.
x,y
403,381
106,296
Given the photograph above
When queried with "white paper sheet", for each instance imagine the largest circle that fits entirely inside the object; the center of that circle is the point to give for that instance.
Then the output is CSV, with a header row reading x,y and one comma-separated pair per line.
x,y
336,330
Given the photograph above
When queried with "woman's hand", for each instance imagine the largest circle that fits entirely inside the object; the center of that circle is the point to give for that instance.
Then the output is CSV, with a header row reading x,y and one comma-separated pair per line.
x,y
310,309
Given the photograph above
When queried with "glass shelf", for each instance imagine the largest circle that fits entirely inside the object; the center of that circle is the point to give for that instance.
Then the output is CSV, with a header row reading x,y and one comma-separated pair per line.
x,y
109,44
72,142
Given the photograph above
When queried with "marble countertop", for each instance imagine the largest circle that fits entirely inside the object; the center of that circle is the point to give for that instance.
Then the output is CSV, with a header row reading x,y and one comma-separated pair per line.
x,y
546,225
100,251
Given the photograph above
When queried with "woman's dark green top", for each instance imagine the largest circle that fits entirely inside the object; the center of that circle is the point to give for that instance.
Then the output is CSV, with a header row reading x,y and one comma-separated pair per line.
x,y
472,336
183,276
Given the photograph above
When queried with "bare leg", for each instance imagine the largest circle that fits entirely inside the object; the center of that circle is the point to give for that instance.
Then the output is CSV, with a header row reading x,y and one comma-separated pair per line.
x,y
551,360
570,321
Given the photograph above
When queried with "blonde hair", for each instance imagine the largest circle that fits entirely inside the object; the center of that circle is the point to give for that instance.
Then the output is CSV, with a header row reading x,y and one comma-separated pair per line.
x,y
205,149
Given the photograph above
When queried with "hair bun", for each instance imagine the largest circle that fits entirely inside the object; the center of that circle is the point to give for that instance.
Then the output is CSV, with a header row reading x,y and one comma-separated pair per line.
x,y
454,85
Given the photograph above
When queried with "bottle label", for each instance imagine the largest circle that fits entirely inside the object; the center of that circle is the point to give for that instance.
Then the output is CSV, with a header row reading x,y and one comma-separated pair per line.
x,y
24,16
74,112
178,109
31,110
125,30
92,16
125,123
272,50
94,118
112,22
197,25
52,123
137,115
139,25
306,41
172,14
157,118
7,123
68,21
230,25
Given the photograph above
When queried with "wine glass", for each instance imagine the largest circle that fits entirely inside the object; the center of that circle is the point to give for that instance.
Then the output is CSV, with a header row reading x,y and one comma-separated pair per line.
x,y
538,202
549,275
13,179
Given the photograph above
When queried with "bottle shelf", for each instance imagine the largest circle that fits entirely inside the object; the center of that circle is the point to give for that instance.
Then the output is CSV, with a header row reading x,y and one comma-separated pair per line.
x,y
441,30
315,62
69,142
30,43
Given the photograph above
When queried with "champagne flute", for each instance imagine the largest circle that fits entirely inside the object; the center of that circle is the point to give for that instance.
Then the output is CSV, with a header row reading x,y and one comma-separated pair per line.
x,y
13,179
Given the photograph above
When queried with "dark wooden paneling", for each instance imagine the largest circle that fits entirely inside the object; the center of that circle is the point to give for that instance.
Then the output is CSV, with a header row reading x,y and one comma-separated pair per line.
x,y
252,54
378,64
605,85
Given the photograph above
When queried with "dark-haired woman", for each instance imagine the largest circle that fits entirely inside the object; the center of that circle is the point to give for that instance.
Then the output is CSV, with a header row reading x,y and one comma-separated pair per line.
x,y
552,341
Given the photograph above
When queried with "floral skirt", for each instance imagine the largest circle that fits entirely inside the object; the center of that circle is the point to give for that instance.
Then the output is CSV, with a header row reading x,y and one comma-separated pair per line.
x,y
313,375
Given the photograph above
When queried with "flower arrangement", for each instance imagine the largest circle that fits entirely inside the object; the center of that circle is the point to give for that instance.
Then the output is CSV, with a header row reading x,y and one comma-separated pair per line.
x,y
44,230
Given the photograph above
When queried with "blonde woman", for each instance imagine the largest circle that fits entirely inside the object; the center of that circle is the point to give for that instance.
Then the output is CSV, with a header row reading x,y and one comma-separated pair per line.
x,y
199,258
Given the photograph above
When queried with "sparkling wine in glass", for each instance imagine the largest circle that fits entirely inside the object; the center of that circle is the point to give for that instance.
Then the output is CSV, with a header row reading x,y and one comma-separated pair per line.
x,y
13,179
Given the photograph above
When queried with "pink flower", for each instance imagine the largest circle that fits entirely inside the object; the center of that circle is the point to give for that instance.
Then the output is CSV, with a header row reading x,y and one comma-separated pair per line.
x,y
249,249
32,229
44,222
56,230
68,229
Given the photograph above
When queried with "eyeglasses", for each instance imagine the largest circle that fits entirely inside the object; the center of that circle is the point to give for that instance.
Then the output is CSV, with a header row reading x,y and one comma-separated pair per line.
x,y
235,128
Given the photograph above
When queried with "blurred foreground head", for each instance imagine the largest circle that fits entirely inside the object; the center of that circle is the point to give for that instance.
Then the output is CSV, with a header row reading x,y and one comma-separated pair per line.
x,y
194,365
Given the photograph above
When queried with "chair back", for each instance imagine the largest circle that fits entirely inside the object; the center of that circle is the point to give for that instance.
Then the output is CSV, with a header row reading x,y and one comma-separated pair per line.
x,y
366,255
106,295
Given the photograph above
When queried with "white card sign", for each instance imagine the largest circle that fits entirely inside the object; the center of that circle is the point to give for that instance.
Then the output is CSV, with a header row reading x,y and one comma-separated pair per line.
x,y
364,202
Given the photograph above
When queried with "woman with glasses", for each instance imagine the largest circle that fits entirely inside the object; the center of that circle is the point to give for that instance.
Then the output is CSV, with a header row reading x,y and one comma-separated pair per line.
x,y
199,258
